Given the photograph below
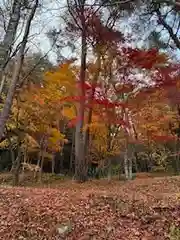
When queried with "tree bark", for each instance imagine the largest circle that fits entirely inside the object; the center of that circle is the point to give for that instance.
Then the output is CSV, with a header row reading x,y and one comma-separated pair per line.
x,y
108,150
8,41
10,35
72,153
17,166
7,106
53,163
136,161
128,151
130,168
126,164
89,117
41,165
11,152
81,167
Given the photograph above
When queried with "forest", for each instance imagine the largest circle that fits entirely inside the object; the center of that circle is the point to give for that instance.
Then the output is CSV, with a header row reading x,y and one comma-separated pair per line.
x,y
90,119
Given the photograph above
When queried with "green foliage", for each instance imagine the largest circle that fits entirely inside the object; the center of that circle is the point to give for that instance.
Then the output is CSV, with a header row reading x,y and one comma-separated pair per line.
x,y
116,169
174,233
158,169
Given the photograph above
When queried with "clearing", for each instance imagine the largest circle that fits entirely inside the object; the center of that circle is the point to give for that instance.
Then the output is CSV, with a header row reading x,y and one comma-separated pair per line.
x,y
143,209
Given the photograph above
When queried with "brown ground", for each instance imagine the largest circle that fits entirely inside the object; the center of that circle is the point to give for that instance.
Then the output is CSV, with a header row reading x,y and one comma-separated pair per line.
x,y
143,209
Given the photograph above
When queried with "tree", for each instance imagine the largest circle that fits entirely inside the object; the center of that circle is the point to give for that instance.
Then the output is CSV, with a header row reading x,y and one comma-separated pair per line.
x,y
159,19
45,106
17,69
9,37
35,64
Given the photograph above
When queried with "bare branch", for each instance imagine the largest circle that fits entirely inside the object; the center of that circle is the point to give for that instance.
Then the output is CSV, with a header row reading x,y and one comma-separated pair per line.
x,y
168,28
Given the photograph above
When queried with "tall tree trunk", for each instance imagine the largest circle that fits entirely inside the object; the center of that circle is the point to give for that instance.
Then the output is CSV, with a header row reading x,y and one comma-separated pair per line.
x,y
8,41
81,168
128,150
17,69
72,153
9,37
39,157
135,151
89,117
42,157
108,150
128,163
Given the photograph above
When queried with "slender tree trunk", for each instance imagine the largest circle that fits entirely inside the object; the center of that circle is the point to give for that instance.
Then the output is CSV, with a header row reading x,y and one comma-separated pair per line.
x,y
130,169
38,163
149,163
108,150
25,159
89,117
53,163
136,161
2,83
17,69
128,151
135,151
39,157
126,169
8,41
72,153
109,172
42,160
17,166
9,38
61,161
43,150
11,153
81,168
12,158
128,165
41,165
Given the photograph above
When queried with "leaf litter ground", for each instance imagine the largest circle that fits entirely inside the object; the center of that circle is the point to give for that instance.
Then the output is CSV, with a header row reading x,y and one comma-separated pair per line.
x,y
139,209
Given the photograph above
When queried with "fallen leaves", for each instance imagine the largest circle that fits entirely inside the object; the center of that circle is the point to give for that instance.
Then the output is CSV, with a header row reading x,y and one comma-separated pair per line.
x,y
140,209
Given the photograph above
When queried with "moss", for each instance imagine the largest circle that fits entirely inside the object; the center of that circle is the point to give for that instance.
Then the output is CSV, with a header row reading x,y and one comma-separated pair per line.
x,y
174,233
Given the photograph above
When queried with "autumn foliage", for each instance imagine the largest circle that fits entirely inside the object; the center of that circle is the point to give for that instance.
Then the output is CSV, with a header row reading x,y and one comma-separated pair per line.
x,y
141,209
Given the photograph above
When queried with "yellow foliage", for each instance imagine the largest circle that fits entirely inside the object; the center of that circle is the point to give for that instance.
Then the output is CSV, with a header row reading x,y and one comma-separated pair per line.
x,y
4,144
38,110
69,112
101,139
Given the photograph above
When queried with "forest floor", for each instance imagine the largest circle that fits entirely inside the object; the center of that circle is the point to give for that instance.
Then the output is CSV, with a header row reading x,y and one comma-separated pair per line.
x,y
146,209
